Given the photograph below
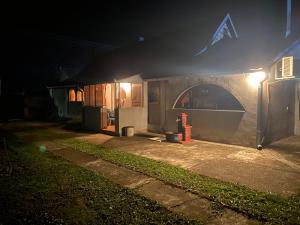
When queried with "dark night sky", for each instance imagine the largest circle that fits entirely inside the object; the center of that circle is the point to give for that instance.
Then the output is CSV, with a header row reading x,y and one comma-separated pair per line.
x,y
52,39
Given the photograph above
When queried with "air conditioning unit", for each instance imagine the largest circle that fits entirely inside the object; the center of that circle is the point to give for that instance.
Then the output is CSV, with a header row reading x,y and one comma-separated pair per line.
x,y
287,67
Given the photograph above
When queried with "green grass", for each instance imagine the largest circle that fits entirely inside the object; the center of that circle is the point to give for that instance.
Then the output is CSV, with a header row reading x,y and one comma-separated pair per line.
x,y
43,189
263,206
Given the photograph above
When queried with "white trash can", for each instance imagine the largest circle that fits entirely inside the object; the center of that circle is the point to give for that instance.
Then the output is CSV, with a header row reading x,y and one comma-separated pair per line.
x,y
129,131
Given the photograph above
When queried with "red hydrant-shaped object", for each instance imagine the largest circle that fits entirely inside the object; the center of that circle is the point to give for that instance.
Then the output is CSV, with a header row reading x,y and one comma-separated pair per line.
x,y
184,128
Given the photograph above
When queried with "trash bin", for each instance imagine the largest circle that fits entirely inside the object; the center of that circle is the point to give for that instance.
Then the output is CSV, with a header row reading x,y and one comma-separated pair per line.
x,y
173,137
129,131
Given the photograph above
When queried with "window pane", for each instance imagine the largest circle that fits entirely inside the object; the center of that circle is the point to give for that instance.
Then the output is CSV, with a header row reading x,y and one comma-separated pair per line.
x,y
117,86
208,96
79,96
86,95
92,95
72,95
125,95
99,95
137,95
185,101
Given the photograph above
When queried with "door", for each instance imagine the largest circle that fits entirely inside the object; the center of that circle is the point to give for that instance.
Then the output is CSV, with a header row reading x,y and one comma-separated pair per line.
x,y
281,109
154,103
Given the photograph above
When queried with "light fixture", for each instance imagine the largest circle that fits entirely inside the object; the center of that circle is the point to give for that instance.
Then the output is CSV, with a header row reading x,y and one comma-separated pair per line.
x,y
126,87
254,79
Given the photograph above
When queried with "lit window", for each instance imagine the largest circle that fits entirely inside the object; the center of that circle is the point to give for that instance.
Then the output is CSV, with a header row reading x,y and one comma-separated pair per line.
x,y
125,95
87,95
72,95
79,96
92,95
99,95
137,95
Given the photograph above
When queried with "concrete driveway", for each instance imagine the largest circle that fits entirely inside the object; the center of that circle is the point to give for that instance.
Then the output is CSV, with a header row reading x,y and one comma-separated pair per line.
x,y
274,169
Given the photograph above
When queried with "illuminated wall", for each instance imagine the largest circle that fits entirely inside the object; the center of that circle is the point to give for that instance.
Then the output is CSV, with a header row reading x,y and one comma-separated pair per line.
x,y
227,126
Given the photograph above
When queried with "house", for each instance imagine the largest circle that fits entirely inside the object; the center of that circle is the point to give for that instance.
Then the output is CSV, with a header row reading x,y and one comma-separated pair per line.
x,y
68,99
238,84
113,104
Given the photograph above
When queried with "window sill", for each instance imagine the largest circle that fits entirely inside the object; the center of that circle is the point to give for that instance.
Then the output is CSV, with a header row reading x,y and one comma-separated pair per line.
x,y
215,110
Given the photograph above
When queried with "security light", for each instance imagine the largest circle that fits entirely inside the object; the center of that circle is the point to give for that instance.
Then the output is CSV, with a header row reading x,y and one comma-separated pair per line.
x,y
254,79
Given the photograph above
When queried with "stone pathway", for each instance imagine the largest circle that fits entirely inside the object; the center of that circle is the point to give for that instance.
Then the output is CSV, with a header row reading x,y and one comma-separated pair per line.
x,y
173,198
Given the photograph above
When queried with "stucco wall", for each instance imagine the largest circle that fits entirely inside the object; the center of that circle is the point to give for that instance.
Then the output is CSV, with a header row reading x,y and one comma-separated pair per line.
x,y
134,116
297,110
220,126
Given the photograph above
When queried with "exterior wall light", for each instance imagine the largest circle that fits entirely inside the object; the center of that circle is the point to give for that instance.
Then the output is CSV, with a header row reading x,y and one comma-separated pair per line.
x,y
254,79
126,87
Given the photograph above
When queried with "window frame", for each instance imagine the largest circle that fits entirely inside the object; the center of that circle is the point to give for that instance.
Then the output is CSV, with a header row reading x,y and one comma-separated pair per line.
x,y
69,95
279,62
76,92
186,91
141,94
131,99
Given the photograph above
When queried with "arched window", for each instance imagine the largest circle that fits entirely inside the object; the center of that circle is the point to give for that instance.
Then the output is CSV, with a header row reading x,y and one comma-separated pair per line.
x,y
209,97
72,95
79,96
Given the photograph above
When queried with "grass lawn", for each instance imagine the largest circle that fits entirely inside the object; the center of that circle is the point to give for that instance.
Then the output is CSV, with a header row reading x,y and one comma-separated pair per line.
x,y
271,208
39,188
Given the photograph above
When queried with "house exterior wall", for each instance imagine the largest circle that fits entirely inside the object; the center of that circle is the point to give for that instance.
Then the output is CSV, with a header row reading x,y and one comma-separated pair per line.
x,y
231,127
297,109
64,107
60,98
133,116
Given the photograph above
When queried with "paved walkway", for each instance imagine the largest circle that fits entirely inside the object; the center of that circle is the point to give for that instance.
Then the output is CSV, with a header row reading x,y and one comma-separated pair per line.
x,y
275,169
173,198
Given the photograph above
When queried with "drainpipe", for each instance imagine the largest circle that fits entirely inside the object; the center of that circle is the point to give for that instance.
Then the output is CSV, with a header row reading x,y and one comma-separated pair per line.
x,y
259,126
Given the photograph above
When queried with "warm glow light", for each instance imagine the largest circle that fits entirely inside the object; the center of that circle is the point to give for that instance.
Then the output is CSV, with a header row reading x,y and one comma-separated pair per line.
x,y
126,87
72,95
256,78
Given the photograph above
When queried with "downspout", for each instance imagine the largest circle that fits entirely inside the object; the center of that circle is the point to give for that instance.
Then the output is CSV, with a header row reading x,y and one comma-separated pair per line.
x,y
259,127
297,117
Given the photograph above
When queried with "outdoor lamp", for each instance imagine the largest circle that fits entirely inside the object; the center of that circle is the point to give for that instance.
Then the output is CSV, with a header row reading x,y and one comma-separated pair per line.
x,y
126,87
254,79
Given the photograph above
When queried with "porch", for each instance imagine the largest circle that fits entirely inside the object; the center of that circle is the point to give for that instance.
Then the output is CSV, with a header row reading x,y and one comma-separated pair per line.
x,y
110,107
